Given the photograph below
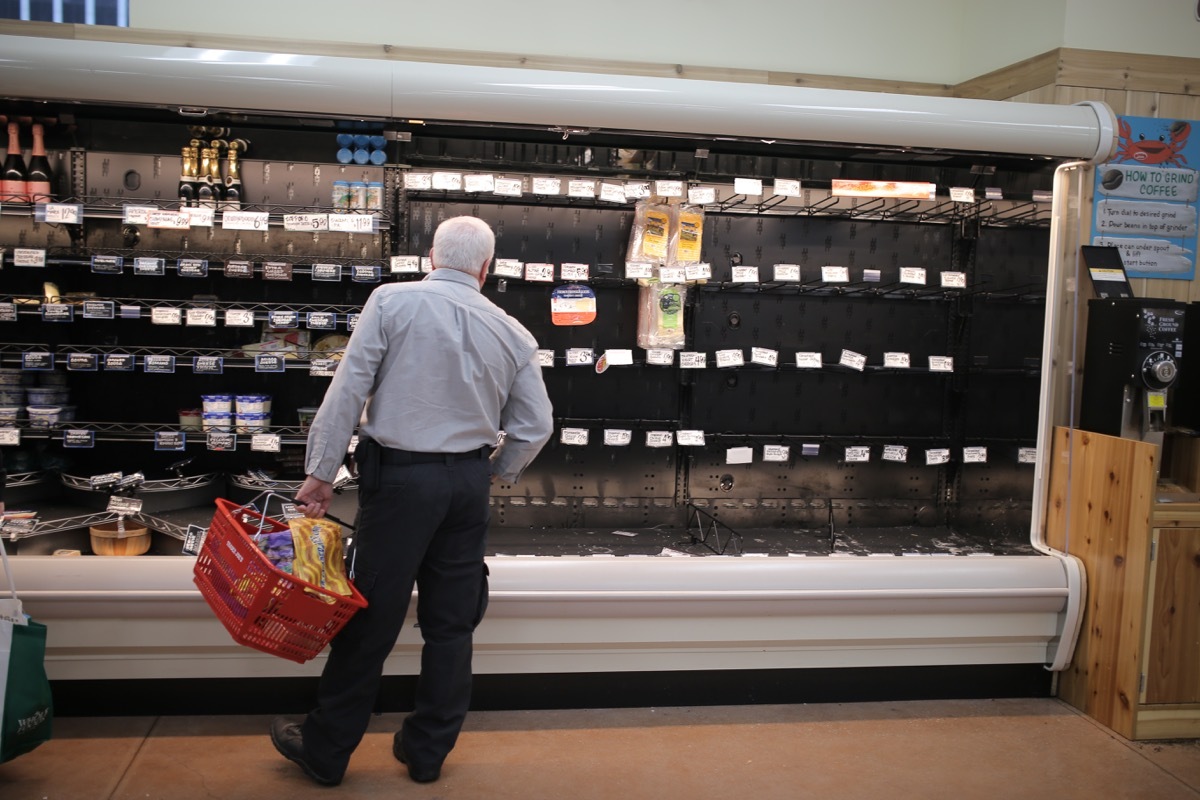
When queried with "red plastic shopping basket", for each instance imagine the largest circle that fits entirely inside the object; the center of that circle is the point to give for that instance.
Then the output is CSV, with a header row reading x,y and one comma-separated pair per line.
x,y
261,606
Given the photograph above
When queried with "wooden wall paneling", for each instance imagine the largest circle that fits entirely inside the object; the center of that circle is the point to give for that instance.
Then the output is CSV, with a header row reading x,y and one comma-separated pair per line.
x,y
1014,79
1179,106
1141,104
1116,99
1069,95
1173,655
1132,71
1107,501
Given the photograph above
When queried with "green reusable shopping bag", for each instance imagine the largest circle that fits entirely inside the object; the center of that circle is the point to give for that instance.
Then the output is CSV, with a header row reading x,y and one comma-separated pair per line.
x,y
26,706
24,689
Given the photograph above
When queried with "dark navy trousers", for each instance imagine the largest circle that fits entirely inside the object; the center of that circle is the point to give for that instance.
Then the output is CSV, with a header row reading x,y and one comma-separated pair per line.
x,y
423,523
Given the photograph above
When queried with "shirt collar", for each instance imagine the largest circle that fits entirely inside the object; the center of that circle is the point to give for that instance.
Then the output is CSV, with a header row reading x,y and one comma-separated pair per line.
x,y
454,276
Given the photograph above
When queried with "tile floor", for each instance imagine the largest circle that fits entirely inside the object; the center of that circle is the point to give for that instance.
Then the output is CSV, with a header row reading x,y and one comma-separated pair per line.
x,y
960,749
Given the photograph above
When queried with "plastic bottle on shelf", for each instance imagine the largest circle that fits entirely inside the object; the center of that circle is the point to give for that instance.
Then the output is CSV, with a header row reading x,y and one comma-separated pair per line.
x,y
13,188
358,196
374,196
361,156
39,180
345,155
378,157
341,195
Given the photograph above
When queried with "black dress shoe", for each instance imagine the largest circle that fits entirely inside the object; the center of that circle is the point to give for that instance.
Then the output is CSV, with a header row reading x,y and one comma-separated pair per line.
x,y
418,774
289,741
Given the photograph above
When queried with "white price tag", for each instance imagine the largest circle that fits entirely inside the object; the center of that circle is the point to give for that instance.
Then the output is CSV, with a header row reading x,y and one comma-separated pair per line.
x,y
659,439
702,195
960,194
545,358
745,274
580,356
580,188
941,364
895,452
426,264
1027,455
730,358
166,316
858,454
418,180
448,181
244,220
808,360
690,438
938,455
547,186
10,436
912,275
748,186
672,274
169,220
200,216
787,272
660,357
574,436
954,280
239,318
693,360
575,272
352,223
639,269
668,188
509,268
136,215
872,275
835,274
617,437
509,187
776,452
787,188
619,358
63,213
612,192
636,190
265,442
402,264
539,272
739,455
698,272
853,360
764,356
896,360
28,257
301,222
480,183
975,455
203,317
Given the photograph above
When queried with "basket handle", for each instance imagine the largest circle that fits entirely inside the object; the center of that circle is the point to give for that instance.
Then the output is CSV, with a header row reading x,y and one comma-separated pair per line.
x,y
262,518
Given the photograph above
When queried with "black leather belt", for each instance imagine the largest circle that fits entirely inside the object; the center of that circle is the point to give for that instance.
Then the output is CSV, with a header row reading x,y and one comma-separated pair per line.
x,y
398,458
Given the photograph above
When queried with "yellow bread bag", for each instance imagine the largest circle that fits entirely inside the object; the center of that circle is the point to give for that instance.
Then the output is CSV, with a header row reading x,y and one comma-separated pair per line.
x,y
318,558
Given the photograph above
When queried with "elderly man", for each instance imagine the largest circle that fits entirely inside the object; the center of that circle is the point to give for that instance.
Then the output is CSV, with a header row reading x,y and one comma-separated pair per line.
x,y
435,371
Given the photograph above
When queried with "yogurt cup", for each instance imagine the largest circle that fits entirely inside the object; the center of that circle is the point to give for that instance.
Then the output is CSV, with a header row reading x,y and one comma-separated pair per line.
x,y
252,403
217,403
12,396
253,423
10,413
47,395
191,419
216,421
43,416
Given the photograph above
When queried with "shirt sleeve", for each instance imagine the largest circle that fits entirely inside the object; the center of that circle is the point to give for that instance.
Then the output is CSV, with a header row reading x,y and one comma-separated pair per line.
x,y
353,382
527,420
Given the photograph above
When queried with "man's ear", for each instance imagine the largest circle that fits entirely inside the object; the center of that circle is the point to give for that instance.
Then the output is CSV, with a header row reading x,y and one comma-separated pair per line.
x,y
483,271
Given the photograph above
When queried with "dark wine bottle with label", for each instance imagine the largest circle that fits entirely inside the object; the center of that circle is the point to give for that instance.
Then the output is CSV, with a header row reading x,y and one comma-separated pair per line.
x,y
12,180
39,180
187,177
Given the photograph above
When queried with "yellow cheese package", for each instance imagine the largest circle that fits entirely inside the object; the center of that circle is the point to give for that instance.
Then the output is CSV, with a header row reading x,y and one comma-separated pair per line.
x,y
318,555
687,234
649,236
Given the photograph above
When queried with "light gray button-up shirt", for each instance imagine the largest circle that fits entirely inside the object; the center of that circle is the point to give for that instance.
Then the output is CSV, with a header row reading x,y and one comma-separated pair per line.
x,y
435,367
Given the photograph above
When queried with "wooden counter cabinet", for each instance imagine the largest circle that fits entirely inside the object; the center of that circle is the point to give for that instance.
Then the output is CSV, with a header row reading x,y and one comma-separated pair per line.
x,y
1136,668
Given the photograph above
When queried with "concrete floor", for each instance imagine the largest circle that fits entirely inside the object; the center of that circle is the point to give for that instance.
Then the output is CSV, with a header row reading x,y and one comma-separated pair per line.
x,y
960,749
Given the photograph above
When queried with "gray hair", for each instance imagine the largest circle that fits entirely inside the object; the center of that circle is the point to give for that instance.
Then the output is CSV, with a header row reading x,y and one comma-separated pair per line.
x,y
464,244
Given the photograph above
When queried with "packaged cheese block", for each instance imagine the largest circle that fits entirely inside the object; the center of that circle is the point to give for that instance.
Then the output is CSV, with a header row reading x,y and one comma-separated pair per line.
x,y
649,236
686,236
318,555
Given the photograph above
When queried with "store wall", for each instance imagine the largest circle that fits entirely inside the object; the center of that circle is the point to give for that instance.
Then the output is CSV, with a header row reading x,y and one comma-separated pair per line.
x,y
934,41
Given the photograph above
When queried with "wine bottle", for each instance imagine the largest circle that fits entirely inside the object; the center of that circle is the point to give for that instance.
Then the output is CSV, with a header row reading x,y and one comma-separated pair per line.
x,y
187,177
205,196
233,181
39,180
12,179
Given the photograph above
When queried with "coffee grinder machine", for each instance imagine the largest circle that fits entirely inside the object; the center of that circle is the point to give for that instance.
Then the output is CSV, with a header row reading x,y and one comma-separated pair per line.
x,y
1132,360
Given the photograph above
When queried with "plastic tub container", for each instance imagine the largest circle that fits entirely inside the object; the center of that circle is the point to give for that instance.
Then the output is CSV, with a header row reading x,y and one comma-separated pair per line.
x,y
10,413
46,396
43,416
10,377
191,419
253,423
216,421
306,414
253,404
217,403
12,396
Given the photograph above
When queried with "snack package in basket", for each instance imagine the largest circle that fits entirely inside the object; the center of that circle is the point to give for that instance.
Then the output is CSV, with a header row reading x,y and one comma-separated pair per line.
x,y
278,548
318,555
